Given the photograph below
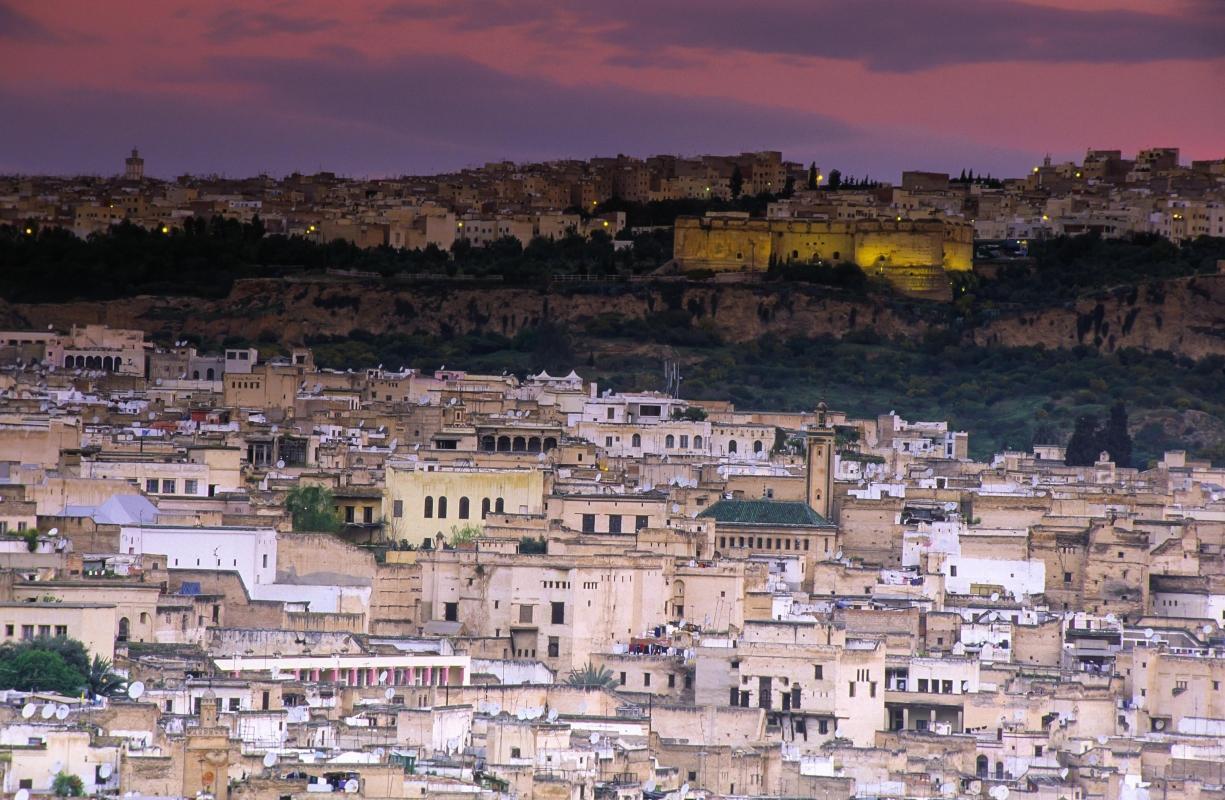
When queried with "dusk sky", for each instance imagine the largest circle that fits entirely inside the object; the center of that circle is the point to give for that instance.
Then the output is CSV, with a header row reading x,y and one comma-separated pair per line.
x,y
387,88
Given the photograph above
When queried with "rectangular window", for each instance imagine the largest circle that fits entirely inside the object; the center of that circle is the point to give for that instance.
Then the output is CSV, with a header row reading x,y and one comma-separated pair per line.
x,y
151,485
622,678
589,523
822,726
818,672
640,522
525,614
8,630
349,513
451,612
368,514
191,486
614,523
1067,577
167,487
946,687
554,647
44,631
851,688
234,703
397,508
558,613
27,632
61,630
953,570
646,679
922,684
671,680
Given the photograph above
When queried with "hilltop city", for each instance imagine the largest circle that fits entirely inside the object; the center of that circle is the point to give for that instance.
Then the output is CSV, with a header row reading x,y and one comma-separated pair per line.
x,y
230,570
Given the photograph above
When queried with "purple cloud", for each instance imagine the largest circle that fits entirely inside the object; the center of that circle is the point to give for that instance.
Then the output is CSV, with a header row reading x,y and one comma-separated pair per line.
x,y
885,35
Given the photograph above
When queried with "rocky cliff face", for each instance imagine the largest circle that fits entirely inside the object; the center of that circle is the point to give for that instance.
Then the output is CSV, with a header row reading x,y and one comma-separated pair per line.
x,y
1186,316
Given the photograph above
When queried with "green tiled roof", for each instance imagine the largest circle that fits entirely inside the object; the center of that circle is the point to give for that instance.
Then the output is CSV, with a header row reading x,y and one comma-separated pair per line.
x,y
778,513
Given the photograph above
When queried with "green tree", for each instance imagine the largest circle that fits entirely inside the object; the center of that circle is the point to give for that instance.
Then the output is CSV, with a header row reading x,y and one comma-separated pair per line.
x,y
31,537
835,179
589,676
313,509
40,671
1115,439
463,535
66,784
101,681
736,184
812,176
1084,446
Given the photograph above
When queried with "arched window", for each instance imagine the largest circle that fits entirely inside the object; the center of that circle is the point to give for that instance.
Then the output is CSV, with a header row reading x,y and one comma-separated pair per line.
x,y
697,443
488,443
980,766
125,629
669,441
549,443
210,374
499,506
533,444
503,444
429,507
520,444
485,508
636,441
757,446
463,508
442,507
731,446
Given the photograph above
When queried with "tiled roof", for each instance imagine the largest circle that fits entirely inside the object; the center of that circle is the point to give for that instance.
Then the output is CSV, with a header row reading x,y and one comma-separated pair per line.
x,y
777,513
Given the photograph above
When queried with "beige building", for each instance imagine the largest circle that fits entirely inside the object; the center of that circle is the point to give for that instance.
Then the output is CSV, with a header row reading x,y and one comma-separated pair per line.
x,y
426,499
92,624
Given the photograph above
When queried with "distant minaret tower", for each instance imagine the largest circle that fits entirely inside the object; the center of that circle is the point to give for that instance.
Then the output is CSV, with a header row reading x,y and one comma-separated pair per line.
x,y
134,167
820,465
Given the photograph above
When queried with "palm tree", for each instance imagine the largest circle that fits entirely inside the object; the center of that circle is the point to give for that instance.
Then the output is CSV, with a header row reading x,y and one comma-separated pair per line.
x,y
101,682
592,677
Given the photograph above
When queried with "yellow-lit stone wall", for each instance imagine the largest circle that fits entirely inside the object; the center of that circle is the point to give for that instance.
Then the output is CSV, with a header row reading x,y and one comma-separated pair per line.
x,y
914,254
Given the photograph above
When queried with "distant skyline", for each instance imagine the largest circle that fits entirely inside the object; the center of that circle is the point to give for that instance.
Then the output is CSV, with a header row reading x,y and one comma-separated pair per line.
x,y
423,86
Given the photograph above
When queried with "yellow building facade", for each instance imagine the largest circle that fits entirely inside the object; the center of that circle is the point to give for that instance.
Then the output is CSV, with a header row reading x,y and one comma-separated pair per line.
x,y
426,499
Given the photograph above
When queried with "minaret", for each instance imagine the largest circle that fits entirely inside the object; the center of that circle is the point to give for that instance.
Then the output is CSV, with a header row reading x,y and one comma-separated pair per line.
x,y
134,167
820,442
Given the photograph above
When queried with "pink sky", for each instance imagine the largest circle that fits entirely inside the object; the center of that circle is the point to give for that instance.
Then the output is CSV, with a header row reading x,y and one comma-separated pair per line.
x,y
872,86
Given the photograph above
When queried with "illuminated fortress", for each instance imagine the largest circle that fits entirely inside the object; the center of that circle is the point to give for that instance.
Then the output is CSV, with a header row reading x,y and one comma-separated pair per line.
x,y
913,255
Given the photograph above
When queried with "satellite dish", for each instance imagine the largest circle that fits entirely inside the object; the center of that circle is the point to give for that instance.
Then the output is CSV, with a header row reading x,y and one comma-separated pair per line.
x,y
106,770
135,690
269,760
1148,633
53,532
553,715
1102,739
389,693
521,715
379,752
649,785
383,676
684,790
28,710
1208,628
1063,773
838,555
61,712
48,711
838,732
280,463
351,786
995,597
22,794
594,738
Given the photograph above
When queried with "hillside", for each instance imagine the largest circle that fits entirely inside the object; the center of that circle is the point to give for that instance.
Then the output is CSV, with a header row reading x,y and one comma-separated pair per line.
x,y
1025,349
